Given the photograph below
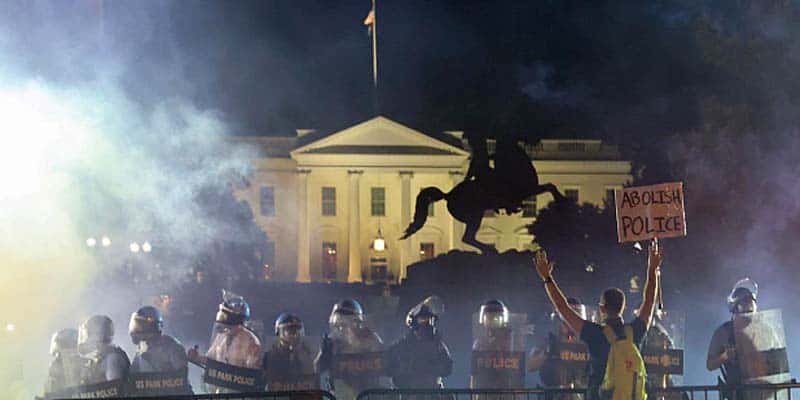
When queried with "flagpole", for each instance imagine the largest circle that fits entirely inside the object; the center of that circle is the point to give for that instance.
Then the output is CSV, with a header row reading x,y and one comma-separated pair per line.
x,y
374,46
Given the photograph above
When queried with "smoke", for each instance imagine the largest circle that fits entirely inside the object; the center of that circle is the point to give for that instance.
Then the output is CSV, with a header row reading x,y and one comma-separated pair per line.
x,y
82,156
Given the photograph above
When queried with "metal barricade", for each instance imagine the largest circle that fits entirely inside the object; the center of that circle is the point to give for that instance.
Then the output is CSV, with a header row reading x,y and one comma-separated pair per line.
x,y
289,395
782,391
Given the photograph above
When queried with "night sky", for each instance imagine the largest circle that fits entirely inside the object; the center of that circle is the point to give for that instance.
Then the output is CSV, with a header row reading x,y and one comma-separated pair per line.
x,y
619,70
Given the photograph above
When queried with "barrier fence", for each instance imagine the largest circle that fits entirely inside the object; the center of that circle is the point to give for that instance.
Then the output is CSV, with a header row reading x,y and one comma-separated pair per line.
x,y
288,395
781,391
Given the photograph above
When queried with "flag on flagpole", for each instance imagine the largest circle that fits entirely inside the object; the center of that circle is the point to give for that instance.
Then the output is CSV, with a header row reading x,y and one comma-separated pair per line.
x,y
369,21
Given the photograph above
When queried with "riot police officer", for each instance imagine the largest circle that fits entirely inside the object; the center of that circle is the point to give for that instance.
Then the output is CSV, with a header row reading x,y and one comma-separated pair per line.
x,y
351,353
289,362
420,359
235,350
562,361
497,358
160,356
106,362
65,368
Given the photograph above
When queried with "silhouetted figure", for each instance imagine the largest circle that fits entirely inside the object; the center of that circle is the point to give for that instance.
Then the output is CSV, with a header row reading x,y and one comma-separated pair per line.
x,y
512,180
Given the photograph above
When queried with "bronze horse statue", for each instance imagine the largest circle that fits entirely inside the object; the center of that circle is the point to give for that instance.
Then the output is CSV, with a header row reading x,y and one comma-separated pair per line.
x,y
512,180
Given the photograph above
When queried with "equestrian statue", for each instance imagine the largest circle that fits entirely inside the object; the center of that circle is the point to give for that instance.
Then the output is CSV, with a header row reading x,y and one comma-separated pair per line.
x,y
512,180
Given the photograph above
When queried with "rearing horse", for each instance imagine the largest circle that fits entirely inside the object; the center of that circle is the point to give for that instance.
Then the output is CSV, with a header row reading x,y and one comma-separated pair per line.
x,y
513,180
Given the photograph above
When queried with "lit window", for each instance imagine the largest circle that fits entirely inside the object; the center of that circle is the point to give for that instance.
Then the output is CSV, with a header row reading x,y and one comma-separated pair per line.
x,y
329,201
571,194
529,207
329,261
426,251
378,201
267,201
572,147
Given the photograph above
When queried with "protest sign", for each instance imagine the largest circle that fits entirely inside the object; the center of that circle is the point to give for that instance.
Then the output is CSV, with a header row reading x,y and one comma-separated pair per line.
x,y
648,212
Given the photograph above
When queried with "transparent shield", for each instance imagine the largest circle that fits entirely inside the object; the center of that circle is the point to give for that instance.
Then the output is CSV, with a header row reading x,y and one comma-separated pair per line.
x,y
761,351
498,354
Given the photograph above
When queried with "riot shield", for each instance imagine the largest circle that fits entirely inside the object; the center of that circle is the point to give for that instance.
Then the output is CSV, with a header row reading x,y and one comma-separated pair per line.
x,y
498,354
761,352
662,350
291,370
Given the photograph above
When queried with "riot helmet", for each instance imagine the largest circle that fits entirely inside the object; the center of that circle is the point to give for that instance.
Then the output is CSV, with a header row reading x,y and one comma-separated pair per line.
x,y
743,297
494,314
233,310
422,320
65,339
289,328
96,330
146,324
348,312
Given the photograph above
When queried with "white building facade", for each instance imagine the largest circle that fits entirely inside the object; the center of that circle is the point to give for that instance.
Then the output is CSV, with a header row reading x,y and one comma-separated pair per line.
x,y
323,199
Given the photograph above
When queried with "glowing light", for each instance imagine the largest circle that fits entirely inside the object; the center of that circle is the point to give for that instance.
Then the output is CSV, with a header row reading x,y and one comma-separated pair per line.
x,y
91,242
379,244
105,241
589,267
10,327
146,247
134,247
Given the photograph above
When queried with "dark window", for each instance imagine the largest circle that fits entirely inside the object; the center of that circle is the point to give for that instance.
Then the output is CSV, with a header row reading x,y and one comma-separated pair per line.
x,y
329,201
426,251
267,201
431,209
329,261
529,207
572,194
378,202
488,214
610,197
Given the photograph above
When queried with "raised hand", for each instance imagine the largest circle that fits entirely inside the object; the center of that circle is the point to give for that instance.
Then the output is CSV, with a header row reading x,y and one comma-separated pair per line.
x,y
543,266
655,255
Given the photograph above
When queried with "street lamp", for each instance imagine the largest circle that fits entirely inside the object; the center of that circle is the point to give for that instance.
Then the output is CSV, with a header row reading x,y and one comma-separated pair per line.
x,y
134,247
91,242
379,244
105,241
146,247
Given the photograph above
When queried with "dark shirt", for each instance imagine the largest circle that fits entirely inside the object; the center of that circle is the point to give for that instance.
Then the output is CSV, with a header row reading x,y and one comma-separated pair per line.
x,y
592,335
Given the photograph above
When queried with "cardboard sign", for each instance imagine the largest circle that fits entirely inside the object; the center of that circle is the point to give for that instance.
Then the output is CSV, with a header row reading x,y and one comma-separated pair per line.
x,y
351,365
233,377
648,212
667,362
158,383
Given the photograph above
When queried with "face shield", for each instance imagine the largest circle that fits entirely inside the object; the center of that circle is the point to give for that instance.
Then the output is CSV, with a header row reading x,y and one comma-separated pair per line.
x,y
743,297
291,333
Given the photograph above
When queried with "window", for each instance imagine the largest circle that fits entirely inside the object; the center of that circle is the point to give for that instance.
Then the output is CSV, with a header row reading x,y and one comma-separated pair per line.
x,y
488,214
571,194
329,201
529,207
426,251
378,202
268,260
267,201
572,147
609,200
329,261
430,209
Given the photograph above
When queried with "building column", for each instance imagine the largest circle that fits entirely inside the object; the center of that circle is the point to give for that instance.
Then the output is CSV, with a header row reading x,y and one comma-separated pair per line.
x,y
354,228
406,250
456,227
303,234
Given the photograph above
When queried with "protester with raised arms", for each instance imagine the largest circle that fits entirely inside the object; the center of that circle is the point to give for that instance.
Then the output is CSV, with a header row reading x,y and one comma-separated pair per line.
x,y
599,338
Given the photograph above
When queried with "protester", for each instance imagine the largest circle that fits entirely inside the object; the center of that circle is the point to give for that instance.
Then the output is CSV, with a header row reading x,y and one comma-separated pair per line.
x,y
612,304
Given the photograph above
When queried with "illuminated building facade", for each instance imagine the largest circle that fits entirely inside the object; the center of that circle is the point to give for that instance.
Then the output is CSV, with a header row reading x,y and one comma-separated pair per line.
x,y
323,198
